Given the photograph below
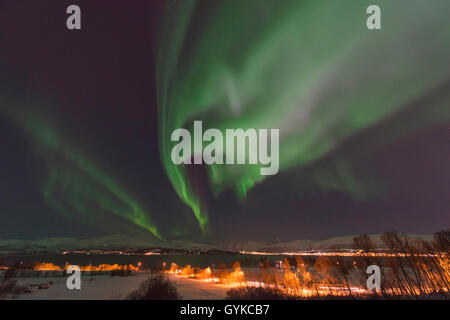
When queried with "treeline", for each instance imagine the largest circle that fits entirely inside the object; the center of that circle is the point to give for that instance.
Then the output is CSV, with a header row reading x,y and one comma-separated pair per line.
x,y
414,267
410,268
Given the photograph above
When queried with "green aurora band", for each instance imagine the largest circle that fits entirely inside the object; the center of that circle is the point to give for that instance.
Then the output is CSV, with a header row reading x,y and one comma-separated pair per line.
x,y
76,188
310,68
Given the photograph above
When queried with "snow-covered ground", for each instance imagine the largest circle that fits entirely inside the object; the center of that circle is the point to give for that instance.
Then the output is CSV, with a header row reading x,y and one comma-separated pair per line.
x,y
199,290
107,287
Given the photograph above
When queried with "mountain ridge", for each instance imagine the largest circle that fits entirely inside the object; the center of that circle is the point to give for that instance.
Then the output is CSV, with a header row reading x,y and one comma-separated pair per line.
x,y
123,242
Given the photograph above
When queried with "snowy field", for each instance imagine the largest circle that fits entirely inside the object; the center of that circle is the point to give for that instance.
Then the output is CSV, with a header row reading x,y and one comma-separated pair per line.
x,y
106,288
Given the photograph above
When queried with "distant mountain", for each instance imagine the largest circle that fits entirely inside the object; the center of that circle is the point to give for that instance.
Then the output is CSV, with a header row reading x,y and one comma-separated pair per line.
x,y
189,245
244,246
113,242
269,247
347,241
122,242
300,245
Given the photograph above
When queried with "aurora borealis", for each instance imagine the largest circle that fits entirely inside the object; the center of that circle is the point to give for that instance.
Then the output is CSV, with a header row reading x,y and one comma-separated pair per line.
x,y
75,187
363,115
306,67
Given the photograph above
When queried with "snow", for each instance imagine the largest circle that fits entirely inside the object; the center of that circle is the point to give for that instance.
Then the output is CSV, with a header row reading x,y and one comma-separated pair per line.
x,y
106,287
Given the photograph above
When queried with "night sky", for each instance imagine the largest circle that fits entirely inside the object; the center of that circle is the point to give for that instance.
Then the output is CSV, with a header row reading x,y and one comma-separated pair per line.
x,y
86,117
